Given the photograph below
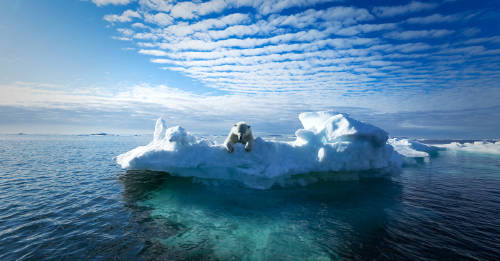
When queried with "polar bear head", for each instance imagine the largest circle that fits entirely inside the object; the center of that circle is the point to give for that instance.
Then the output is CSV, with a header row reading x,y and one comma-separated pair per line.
x,y
241,130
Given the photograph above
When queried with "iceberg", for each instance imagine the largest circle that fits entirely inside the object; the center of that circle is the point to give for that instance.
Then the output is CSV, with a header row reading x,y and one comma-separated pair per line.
x,y
413,152
412,149
328,142
483,147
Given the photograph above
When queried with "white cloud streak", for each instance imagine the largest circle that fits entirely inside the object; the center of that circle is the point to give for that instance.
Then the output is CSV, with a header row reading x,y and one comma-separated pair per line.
x,y
407,35
190,10
126,16
435,18
161,19
263,107
112,2
414,6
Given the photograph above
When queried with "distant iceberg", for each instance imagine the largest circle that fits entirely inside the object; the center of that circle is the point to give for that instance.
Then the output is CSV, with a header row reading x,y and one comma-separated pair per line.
x,y
483,147
328,142
412,149
413,152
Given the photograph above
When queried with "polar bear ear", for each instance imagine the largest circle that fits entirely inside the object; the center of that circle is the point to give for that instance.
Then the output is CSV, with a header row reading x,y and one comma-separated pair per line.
x,y
234,125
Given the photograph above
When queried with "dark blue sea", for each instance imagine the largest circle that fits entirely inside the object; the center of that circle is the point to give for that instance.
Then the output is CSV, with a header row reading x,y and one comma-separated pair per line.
x,y
65,198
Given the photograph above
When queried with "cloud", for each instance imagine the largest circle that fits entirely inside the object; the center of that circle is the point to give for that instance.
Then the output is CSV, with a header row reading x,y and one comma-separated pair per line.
x,y
126,16
184,29
414,6
407,35
306,49
125,31
184,10
471,31
153,52
155,100
365,28
208,113
281,57
156,5
435,18
161,19
113,2
121,38
274,6
492,39
348,15
191,10
139,25
39,95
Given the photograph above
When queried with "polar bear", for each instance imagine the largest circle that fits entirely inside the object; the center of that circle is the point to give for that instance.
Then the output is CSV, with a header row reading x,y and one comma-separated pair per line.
x,y
241,133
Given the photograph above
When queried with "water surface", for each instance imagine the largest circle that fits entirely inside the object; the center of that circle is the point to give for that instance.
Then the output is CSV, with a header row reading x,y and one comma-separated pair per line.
x,y
63,197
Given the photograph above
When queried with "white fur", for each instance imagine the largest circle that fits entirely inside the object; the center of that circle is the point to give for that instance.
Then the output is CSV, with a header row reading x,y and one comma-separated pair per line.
x,y
240,133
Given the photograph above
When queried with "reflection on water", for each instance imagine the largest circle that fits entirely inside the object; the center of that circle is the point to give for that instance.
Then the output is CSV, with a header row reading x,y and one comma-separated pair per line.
x,y
321,221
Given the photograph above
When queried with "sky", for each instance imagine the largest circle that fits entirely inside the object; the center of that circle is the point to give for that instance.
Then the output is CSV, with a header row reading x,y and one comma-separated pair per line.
x,y
423,69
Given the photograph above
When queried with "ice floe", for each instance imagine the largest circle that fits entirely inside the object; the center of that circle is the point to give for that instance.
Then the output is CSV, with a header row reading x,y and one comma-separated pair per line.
x,y
328,142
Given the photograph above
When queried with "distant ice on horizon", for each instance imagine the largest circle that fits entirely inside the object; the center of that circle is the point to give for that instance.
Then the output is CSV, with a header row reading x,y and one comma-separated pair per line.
x,y
483,147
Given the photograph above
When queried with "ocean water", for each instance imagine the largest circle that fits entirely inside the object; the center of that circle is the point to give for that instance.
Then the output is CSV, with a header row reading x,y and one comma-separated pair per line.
x,y
65,198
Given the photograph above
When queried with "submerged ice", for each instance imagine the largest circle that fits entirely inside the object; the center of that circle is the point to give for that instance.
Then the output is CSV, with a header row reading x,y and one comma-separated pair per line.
x,y
327,142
